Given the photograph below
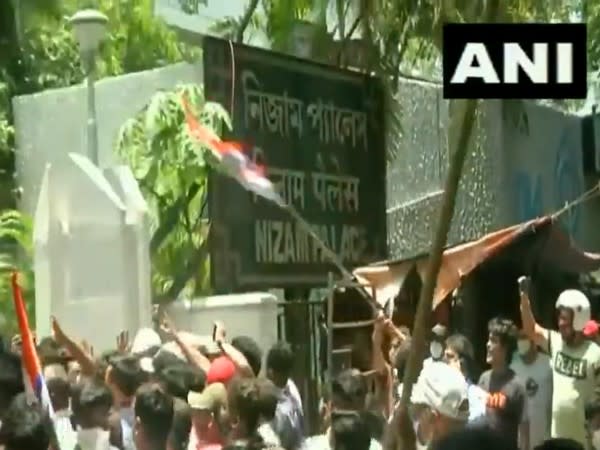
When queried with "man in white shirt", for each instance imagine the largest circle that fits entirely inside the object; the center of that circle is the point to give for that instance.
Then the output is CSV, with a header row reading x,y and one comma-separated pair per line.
x,y
533,368
439,404
575,360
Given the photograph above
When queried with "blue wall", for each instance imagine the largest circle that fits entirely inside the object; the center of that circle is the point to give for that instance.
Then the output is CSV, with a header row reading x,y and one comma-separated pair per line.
x,y
544,166
515,171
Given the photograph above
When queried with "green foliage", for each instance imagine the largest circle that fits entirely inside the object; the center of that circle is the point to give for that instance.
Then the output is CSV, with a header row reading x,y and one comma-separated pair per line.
x,y
44,55
173,172
16,243
49,57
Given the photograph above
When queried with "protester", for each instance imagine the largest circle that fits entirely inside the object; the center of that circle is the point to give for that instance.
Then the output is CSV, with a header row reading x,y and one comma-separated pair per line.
x,y
245,412
349,431
174,390
208,410
439,403
289,416
92,402
474,438
251,351
124,376
181,428
59,389
348,393
268,398
533,368
459,354
575,360
222,370
25,426
153,418
507,400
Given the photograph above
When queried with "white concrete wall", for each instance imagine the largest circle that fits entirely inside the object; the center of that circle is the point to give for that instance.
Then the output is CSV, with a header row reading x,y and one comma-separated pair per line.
x,y
51,124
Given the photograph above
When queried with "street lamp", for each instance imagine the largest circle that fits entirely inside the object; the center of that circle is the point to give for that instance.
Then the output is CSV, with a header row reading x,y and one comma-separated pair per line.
x,y
89,27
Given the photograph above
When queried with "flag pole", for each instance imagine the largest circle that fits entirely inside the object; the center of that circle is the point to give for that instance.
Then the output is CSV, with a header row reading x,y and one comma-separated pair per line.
x,y
334,258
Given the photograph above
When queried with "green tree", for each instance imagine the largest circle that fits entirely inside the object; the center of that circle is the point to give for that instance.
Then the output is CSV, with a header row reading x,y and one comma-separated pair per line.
x,y
16,254
172,172
37,52
47,55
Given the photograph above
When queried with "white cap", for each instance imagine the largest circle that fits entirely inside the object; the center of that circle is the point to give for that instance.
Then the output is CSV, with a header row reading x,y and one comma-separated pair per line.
x,y
146,364
444,389
145,339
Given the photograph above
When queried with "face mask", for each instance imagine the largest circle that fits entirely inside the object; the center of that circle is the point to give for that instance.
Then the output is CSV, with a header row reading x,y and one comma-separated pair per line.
x,y
596,440
127,415
436,349
523,346
93,439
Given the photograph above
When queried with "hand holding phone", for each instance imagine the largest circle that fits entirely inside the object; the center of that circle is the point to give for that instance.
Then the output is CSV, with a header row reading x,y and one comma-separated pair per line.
x,y
219,331
524,285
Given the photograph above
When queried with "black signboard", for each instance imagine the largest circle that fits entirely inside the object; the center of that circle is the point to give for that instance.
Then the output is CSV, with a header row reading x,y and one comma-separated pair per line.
x,y
319,132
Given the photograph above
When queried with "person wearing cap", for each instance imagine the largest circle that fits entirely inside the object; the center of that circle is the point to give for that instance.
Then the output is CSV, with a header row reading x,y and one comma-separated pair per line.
x,y
507,400
439,403
575,360
209,409
436,343
222,369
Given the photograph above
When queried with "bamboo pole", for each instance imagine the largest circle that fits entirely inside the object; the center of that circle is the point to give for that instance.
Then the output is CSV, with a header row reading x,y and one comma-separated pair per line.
x,y
458,156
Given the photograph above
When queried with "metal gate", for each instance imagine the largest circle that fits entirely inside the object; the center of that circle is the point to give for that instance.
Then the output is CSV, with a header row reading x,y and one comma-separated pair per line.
x,y
300,322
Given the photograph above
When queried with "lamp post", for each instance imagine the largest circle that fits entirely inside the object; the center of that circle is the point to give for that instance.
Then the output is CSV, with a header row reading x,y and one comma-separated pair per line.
x,y
89,27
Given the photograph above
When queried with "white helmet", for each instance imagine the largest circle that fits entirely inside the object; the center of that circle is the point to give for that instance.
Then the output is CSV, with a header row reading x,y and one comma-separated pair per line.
x,y
577,302
444,389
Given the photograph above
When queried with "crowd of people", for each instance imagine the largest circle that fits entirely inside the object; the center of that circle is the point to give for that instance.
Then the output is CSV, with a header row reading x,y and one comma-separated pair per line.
x,y
173,390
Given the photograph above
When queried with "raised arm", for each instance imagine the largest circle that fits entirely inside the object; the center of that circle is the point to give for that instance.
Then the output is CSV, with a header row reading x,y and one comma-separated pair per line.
x,y
192,355
534,331
238,358
85,360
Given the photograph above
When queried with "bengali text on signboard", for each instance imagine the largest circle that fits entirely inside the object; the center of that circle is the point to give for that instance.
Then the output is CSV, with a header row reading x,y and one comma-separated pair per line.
x,y
319,133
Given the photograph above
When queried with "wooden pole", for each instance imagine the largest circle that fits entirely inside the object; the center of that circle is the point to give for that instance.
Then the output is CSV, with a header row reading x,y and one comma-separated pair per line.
x,y
466,118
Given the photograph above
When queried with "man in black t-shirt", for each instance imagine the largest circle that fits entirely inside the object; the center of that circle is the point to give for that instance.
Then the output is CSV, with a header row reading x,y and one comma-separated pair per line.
x,y
507,401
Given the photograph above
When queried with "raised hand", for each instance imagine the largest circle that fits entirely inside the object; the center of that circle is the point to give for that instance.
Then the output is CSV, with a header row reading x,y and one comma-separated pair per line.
x,y
123,344
87,348
220,332
57,332
167,327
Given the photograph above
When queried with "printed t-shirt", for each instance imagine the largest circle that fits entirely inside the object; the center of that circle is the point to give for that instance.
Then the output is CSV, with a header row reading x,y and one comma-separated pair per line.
x,y
575,376
506,415
537,378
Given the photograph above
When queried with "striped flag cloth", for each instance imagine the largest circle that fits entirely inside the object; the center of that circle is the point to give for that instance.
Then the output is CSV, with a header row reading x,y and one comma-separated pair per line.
x,y
233,161
31,363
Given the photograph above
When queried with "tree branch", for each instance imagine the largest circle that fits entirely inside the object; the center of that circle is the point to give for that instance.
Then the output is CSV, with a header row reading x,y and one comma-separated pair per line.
x,y
182,277
345,40
458,148
171,218
245,21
